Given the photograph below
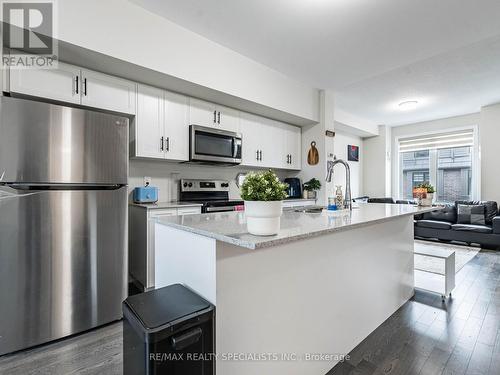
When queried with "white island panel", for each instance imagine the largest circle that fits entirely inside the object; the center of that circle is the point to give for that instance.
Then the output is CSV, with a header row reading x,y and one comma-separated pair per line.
x,y
320,286
185,258
320,295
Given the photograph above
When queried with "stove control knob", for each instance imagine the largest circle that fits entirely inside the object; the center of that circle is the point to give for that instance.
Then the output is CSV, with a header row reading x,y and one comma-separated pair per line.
x,y
224,184
190,184
185,184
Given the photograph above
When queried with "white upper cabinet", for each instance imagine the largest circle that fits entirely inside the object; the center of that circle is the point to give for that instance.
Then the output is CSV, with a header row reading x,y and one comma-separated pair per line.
x,y
149,123
71,84
228,119
202,113
251,129
293,147
211,115
61,84
161,127
176,126
270,144
104,91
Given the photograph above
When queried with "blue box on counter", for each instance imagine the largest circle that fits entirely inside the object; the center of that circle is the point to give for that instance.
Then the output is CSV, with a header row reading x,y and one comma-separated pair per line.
x,y
146,194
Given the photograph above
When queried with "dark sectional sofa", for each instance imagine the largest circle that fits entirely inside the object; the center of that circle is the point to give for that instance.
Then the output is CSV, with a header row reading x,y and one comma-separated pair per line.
x,y
443,225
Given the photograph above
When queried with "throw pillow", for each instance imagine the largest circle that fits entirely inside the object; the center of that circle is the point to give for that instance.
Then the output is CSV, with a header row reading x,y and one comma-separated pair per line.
x,y
470,214
491,209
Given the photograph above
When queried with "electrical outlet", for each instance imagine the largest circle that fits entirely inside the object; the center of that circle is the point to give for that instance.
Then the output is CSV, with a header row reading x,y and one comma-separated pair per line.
x,y
147,181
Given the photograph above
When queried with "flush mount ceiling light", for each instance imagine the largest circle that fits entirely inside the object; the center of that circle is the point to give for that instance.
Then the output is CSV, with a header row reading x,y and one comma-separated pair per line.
x,y
408,105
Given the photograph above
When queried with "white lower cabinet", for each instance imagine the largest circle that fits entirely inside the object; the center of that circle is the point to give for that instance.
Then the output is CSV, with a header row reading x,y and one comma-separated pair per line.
x,y
189,211
160,129
142,240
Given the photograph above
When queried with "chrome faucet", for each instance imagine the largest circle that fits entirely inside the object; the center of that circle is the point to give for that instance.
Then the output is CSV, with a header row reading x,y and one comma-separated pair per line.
x,y
329,174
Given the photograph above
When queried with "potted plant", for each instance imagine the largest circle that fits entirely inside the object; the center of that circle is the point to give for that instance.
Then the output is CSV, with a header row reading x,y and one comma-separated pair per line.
x,y
263,194
425,194
311,187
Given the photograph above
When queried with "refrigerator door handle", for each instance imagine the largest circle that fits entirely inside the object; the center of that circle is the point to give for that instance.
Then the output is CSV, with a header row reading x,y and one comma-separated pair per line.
x,y
42,187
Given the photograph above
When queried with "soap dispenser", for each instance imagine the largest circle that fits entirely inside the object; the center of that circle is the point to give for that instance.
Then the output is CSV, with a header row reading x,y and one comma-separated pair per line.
x,y
339,197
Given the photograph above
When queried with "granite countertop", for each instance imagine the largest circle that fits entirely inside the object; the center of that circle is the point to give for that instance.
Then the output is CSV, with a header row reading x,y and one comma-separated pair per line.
x,y
231,227
159,205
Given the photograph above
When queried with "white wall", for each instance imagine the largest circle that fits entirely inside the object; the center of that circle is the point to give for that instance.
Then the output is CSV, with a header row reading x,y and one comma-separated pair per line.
x,y
365,127
324,144
377,164
489,140
423,128
123,30
341,141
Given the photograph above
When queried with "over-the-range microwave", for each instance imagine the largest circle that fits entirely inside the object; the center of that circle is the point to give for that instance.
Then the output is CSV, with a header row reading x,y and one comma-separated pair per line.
x,y
209,145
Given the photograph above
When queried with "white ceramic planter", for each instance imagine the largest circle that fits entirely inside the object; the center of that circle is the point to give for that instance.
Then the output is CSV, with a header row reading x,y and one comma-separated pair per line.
x,y
427,202
263,218
311,194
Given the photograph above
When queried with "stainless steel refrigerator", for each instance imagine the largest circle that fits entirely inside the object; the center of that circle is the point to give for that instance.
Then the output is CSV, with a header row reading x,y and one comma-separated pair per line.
x,y
63,221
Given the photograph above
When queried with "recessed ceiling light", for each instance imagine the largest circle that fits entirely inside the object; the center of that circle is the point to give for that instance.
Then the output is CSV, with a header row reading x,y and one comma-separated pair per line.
x,y
409,105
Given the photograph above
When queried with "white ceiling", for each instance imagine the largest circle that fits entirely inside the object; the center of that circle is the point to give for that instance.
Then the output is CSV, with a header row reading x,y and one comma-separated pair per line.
x,y
374,53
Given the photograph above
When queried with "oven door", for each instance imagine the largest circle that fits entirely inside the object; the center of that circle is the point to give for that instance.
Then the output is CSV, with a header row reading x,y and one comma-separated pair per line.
x,y
214,145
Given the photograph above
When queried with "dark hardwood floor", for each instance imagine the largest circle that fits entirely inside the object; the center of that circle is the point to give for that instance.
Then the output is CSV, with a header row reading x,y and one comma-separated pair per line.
x,y
95,352
427,336
424,337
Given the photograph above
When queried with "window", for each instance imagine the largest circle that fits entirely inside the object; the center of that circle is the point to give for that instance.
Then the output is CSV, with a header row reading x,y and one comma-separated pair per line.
x,y
444,160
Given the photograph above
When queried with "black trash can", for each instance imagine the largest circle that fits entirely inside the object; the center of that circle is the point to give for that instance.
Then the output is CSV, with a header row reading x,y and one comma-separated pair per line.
x,y
168,331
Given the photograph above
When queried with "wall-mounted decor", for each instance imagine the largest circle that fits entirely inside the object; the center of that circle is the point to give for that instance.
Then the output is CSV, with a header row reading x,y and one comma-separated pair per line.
x,y
352,153
313,154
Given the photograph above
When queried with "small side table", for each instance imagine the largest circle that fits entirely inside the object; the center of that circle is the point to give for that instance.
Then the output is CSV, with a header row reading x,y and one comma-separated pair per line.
x,y
431,284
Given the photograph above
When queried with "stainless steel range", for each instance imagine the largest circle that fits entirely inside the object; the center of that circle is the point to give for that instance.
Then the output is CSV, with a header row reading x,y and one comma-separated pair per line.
x,y
213,194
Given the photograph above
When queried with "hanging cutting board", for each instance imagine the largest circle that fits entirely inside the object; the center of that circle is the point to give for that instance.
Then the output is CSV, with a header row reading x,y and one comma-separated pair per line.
x,y
313,154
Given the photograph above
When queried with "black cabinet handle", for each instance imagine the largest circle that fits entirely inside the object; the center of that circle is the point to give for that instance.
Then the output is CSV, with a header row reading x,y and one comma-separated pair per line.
x,y
76,85
85,86
218,118
187,339
168,143
215,117
290,158
161,144
257,154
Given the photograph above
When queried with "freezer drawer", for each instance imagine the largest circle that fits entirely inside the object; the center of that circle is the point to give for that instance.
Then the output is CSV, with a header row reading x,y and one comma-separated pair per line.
x,y
63,262
42,143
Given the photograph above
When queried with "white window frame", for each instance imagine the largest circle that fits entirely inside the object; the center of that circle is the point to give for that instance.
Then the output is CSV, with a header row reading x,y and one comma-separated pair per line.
x,y
476,158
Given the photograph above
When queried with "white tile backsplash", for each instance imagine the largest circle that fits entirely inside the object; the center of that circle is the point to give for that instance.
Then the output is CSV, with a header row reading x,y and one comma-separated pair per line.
x,y
166,175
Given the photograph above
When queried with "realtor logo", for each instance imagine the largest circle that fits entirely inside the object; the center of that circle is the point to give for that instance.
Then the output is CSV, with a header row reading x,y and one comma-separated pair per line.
x,y
28,31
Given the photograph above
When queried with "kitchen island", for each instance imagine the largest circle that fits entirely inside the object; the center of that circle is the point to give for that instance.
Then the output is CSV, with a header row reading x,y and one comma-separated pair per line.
x,y
296,302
